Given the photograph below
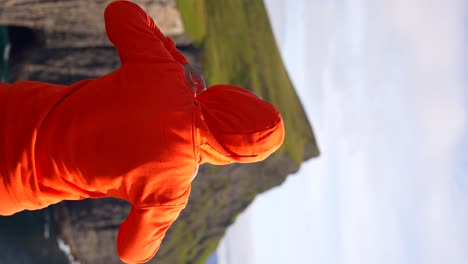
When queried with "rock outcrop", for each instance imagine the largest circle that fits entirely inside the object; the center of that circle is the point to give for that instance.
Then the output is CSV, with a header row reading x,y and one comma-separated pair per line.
x,y
76,23
52,44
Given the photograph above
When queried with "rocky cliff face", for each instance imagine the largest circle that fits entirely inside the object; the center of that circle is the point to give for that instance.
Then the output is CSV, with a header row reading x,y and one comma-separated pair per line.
x,y
74,23
63,42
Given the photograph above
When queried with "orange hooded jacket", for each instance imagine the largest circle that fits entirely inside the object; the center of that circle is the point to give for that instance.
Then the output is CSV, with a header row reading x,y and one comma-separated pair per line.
x,y
136,134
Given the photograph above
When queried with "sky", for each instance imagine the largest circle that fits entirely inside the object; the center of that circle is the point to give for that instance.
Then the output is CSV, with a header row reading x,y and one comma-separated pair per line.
x,y
384,84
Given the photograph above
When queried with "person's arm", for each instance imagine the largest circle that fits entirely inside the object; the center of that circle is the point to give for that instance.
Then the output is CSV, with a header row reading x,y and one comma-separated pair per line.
x,y
168,43
136,36
141,234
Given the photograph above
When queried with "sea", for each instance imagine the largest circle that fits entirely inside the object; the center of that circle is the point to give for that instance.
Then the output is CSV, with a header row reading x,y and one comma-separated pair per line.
x,y
4,51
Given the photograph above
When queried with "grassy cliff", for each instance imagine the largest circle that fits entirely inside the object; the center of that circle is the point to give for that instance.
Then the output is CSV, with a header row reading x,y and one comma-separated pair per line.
x,y
238,47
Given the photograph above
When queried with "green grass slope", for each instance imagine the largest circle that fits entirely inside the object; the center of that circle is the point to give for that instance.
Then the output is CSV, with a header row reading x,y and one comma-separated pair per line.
x,y
238,47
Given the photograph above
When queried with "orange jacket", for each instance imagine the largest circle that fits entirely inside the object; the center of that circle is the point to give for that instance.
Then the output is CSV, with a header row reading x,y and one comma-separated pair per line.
x,y
136,134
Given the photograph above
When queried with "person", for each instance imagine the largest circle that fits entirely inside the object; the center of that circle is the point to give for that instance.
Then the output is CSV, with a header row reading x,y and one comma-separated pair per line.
x,y
137,134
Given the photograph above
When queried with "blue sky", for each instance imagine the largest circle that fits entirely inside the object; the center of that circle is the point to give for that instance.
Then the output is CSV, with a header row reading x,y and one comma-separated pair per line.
x,y
384,84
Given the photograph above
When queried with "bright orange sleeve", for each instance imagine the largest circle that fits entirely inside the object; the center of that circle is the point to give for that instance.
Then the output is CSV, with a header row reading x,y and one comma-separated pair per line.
x,y
168,42
136,36
141,234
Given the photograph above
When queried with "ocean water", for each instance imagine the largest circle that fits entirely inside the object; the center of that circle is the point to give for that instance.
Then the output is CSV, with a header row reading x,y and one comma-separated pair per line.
x,y
30,238
4,52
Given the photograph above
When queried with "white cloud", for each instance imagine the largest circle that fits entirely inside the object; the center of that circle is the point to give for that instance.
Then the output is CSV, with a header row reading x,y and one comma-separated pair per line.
x,y
383,84
409,126
391,114
277,12
236,246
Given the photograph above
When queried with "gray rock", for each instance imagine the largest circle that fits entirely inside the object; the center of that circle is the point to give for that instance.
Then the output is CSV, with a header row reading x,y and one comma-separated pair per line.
x,y
80,23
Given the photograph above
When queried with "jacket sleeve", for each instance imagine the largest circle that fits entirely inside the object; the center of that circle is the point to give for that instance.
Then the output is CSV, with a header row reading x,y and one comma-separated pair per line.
x,y
140,235
136,36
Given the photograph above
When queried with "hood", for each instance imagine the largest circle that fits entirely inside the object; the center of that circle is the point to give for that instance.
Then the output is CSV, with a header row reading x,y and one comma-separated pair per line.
x,y
241,126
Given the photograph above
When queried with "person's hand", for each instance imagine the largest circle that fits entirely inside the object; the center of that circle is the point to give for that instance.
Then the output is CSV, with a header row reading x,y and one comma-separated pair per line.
x,y
195,78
